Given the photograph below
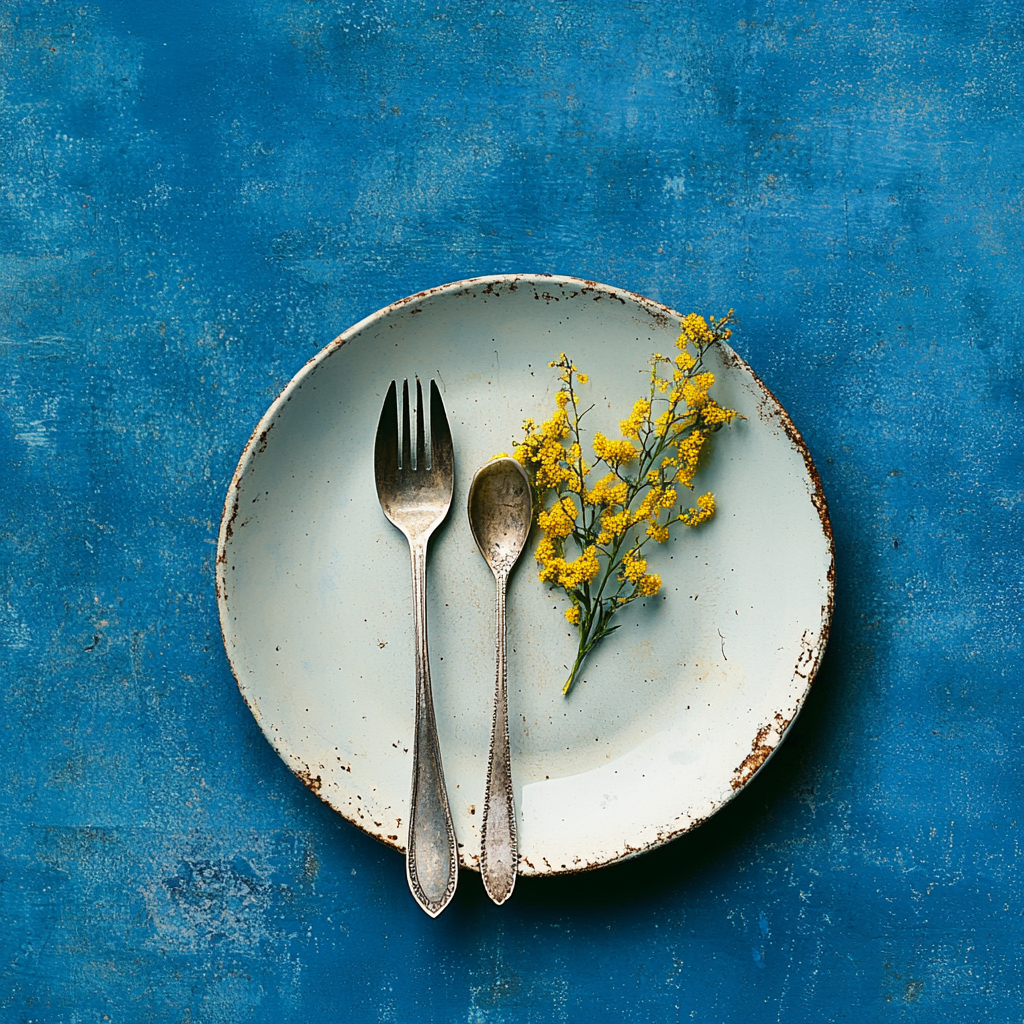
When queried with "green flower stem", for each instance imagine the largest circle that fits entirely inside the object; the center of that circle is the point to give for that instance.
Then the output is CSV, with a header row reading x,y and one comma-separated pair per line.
x,y
587,643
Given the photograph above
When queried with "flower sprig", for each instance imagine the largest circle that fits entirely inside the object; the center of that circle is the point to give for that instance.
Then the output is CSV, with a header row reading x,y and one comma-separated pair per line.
x,y
636,500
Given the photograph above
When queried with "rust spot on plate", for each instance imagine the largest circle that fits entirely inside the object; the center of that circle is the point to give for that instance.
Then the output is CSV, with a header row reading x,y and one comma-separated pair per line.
x,y
759,753
309,780
762,747
807,661
263,437
229,525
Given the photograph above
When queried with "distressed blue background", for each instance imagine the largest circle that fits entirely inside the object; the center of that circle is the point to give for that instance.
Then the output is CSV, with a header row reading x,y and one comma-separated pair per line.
x,y
198,196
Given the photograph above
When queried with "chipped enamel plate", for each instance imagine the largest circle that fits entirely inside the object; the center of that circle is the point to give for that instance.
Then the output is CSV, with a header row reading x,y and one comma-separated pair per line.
x,y
674,713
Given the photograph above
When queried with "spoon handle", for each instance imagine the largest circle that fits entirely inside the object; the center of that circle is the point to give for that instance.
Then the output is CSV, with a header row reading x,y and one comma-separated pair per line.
x,y
499,853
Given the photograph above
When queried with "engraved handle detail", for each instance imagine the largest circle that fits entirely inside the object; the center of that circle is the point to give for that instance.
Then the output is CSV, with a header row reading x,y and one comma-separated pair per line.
x,y
500,513
432,862
499,854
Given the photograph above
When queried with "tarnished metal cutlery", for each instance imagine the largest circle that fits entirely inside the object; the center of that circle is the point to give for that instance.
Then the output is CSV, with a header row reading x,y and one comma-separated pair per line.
x,y
500,514
415,493
414,486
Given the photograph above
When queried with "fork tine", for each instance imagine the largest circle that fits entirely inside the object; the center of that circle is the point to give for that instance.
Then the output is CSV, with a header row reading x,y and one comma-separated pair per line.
x,y
385,447
442,451
406,429
421,434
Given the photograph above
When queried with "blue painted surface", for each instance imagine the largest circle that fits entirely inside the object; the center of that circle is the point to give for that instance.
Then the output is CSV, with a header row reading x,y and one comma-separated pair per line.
x,y
198,196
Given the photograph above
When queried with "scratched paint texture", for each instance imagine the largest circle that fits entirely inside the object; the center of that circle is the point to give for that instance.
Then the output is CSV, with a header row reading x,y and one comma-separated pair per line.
x,y
198,196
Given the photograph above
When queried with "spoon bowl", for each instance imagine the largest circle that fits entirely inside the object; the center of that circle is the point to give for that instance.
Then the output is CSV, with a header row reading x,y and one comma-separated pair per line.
x,y
500,512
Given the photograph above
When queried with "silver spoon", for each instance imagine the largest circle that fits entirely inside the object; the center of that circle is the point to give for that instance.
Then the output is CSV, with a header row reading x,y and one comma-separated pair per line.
x,y
500,513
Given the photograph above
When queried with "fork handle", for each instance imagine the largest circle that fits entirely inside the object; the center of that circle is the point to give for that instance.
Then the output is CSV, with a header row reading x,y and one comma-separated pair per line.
x,y
499,844
432,862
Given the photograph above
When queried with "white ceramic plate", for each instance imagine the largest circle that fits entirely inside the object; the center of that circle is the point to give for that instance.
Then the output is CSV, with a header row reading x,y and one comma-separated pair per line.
x,y
674,713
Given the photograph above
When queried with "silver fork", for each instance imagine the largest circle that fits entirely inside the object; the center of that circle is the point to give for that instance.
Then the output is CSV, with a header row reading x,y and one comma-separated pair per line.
x,y
416,497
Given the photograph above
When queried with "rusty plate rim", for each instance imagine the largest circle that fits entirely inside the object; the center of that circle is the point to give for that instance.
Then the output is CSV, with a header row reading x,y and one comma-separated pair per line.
x,y
765,743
